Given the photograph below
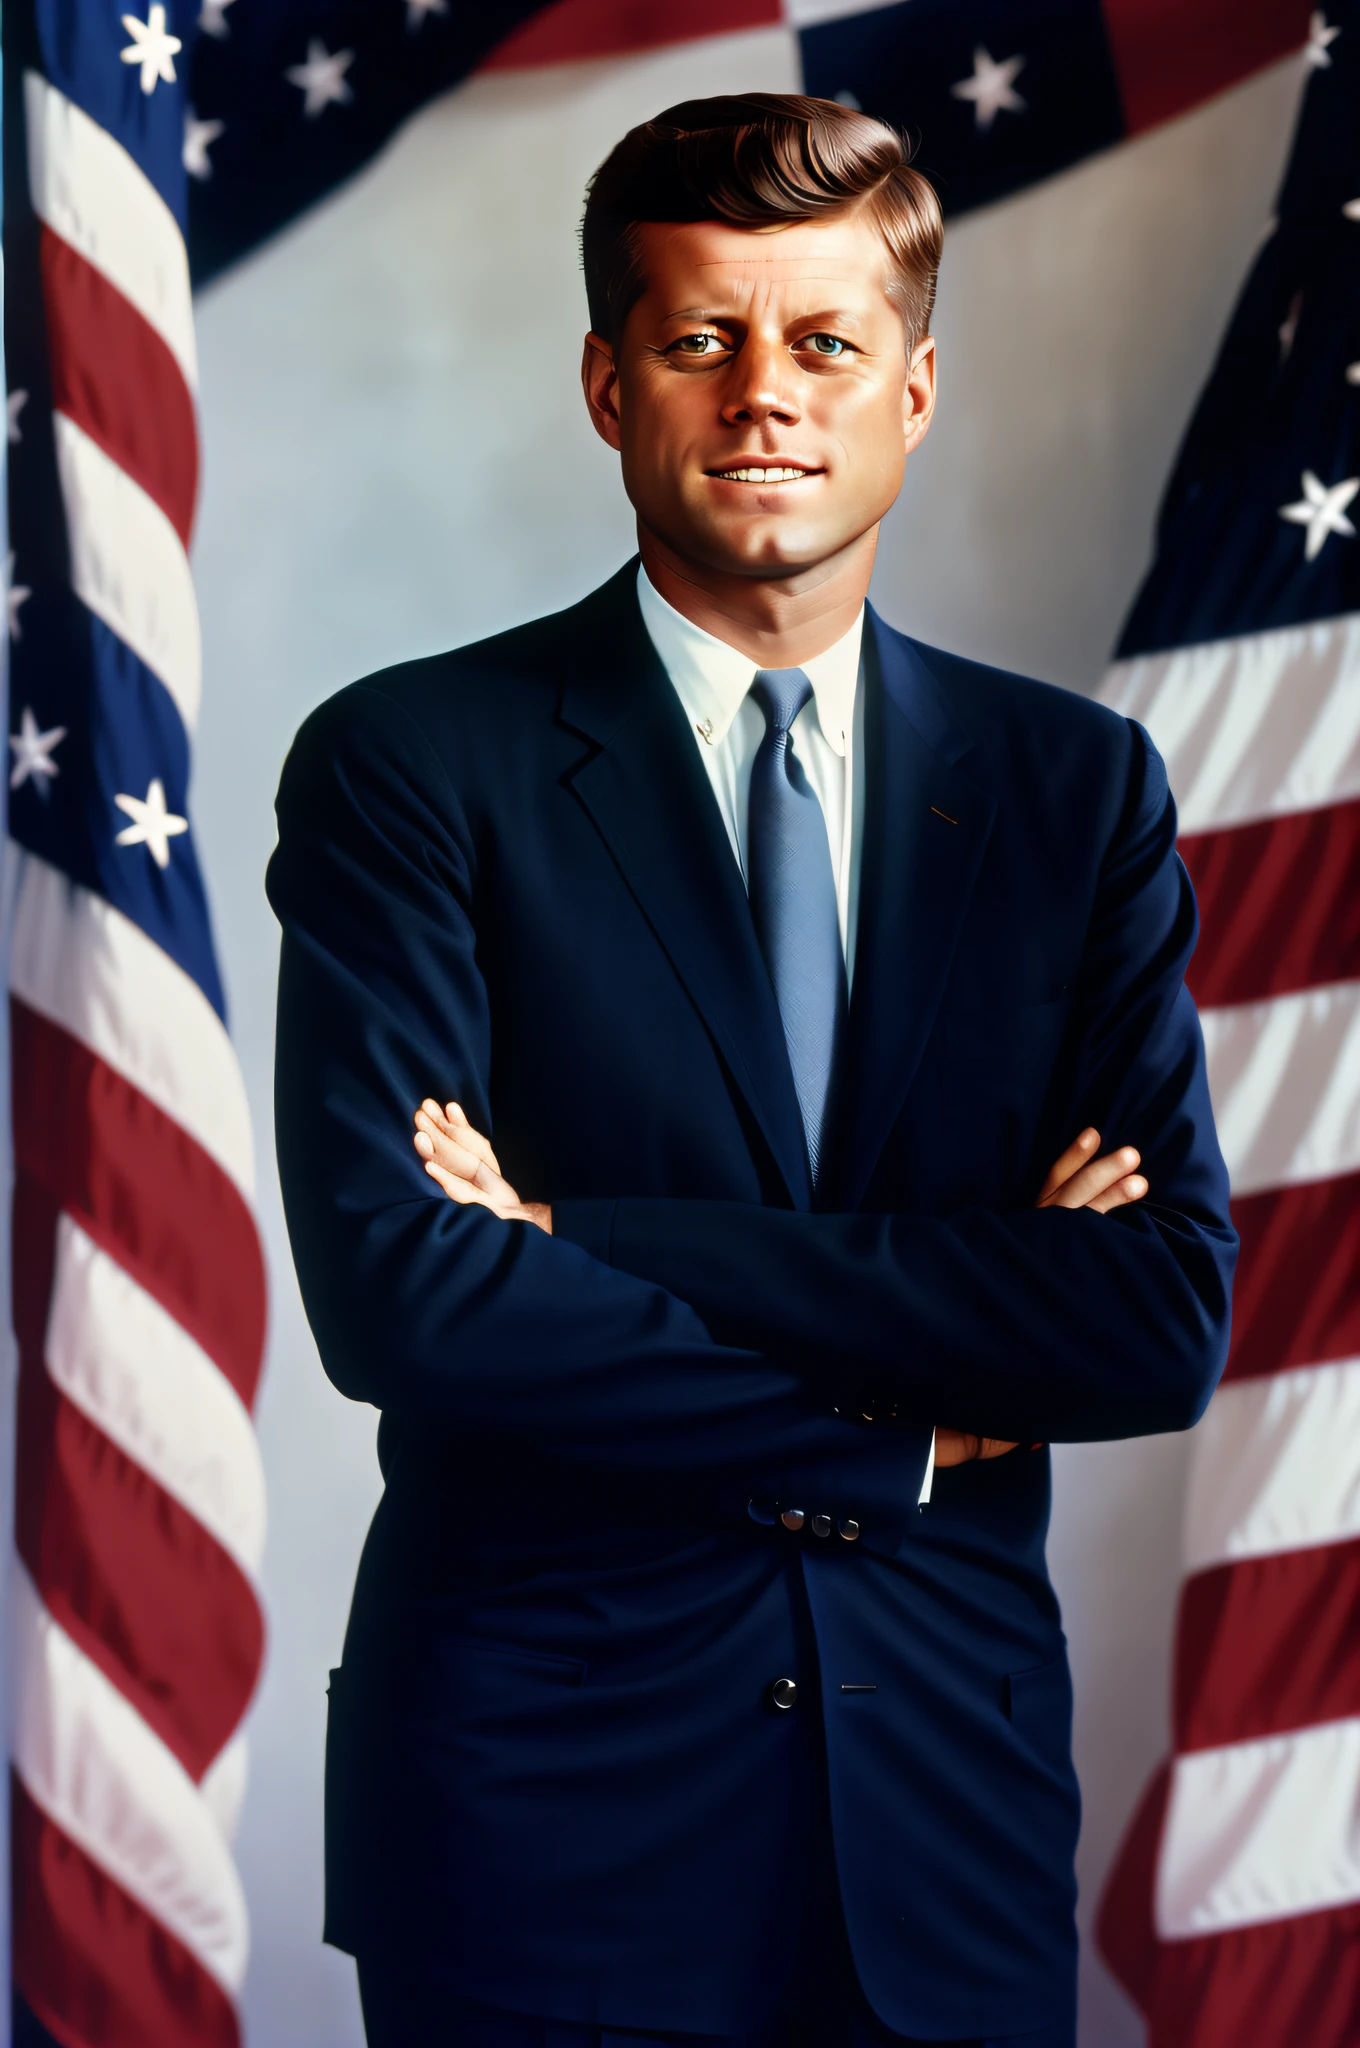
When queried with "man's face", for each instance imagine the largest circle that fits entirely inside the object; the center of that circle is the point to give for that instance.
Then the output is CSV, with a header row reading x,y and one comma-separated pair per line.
x,y
776,352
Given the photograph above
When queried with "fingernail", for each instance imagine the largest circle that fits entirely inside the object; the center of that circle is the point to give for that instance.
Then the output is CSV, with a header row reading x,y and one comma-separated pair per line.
x,y
1089,1138
1137,1185
1129,1156
424,1146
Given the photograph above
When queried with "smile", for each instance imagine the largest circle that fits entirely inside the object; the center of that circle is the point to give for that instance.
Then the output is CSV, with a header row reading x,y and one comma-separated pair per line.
x,y
782,475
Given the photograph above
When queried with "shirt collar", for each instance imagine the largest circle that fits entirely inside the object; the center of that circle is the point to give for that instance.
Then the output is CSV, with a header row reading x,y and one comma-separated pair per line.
x,y
712,679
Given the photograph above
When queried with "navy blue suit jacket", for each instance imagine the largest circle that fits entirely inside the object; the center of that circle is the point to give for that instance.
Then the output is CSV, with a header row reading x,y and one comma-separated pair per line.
x,y
502,878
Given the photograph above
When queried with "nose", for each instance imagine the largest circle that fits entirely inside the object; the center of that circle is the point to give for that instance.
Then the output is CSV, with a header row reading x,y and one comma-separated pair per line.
x,y
761,385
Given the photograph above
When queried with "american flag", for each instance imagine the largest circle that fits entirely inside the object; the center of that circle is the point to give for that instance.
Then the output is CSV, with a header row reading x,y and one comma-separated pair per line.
x,y
138,1285
136,1632
1233,1914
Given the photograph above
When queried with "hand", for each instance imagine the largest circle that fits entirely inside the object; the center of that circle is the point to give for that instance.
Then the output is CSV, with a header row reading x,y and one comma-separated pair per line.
x,y
1079,1180
467,1169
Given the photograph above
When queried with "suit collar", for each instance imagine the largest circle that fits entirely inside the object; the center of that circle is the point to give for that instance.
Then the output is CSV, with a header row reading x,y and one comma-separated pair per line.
x,y
926,827
645,788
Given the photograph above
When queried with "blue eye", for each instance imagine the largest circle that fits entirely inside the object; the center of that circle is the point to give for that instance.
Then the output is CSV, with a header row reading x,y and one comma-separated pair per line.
x,y
826,344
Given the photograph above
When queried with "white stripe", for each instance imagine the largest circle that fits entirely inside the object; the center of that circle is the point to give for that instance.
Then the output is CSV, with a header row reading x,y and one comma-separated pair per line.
x,y
1284,1075
803,13
82,964
224,1785
144,1382
88,190
1261,1831
92,1764
129,566
1255,727
1274,1466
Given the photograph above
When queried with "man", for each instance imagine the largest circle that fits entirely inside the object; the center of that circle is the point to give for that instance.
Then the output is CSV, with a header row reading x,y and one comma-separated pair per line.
x,y
776,956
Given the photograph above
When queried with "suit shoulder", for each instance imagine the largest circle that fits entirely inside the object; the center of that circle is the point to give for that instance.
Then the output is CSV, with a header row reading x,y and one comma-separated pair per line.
x,y
985,696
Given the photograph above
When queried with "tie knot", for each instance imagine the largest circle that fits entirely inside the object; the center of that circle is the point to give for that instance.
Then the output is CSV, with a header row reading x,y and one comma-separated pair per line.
x,y
781,694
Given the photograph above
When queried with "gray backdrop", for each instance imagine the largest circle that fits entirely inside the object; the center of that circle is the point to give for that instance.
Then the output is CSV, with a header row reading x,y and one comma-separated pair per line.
x,y
397,460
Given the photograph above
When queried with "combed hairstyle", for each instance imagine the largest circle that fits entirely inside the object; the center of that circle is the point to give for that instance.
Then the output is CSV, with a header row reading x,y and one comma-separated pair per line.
x,y
756,160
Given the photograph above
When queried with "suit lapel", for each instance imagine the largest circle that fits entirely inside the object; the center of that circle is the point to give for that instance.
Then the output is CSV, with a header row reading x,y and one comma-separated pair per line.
x,y
926,828
651,802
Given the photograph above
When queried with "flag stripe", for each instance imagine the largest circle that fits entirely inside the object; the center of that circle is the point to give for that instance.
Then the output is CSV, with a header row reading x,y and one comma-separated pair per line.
x,y
86,188
1267,1645
1285,1080
98,1771
1278,903
143,1190
86,967
94,1967
1261,1830
1273,1466
129,566
1254,727
1292,1985
573,30
1296,1297
116,378
133,1579
148,1388
1170,56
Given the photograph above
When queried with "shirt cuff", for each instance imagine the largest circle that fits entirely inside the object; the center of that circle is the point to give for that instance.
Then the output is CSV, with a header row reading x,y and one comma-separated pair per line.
x,y
587,1223
924,1495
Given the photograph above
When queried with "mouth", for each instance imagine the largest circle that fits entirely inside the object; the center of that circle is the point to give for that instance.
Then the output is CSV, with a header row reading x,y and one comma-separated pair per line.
x,y
768,473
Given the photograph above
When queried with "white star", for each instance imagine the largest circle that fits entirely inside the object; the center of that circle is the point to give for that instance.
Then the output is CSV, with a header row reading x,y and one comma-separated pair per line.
x,y
14,405
212,18
1316,51
199,136
416,11
322,77
152,46
1323,511
33,752
16,594
1289,326
153,826
991,87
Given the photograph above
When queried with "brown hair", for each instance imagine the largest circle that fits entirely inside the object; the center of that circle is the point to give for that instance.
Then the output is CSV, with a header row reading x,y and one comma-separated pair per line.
x,y
757,159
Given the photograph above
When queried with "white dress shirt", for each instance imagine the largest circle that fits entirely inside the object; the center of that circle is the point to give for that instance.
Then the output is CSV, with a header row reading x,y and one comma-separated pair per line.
x,y
713,682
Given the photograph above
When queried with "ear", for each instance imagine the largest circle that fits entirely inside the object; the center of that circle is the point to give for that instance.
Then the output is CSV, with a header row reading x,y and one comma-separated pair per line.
x,y
600,383
918,395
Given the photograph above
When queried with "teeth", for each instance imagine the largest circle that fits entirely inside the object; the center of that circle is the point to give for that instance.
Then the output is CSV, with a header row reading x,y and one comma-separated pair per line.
x,y
762,476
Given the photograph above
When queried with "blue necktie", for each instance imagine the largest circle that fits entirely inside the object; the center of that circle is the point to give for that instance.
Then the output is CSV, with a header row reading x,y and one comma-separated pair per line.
x,y
793,902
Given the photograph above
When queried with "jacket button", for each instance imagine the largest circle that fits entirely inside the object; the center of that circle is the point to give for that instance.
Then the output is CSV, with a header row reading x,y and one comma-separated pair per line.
x,y
821,1525
758,1512
793,1518
783,1693
849,1529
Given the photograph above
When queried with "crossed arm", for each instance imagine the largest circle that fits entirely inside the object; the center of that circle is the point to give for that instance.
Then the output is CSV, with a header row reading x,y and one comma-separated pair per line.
x,y
463,1163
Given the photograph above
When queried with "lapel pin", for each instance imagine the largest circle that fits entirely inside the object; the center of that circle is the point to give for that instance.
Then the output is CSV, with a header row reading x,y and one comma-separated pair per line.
x,y
704,728
943,814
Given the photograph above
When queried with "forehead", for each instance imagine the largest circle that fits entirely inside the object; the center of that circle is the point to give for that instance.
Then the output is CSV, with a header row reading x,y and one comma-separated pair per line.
x,y
846,250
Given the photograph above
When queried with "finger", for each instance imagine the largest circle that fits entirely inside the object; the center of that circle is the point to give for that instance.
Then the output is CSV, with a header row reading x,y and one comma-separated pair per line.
x,y
450,1121
995,1447
451,1152
453,1184
1078,1152
1131,1189
470,1134
1093,1180
955,1447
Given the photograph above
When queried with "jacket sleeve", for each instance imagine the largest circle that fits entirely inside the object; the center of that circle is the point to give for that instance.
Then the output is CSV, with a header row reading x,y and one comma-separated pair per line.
x,y
444,1315
1051,1323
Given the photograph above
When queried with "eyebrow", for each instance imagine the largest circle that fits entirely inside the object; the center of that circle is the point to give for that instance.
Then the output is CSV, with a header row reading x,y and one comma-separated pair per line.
x,y
833,315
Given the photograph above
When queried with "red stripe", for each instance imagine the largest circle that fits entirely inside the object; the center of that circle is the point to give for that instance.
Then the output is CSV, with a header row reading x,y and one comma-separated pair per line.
x,y
1288,1984
114,376
1171,54
143,1189
1266,1645
1125,1933
574,29
141,1586
1279,905
97,1970
1296,1298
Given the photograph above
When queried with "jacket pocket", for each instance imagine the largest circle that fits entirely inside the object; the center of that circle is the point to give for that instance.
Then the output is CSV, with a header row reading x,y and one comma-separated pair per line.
x,y
1038,1705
